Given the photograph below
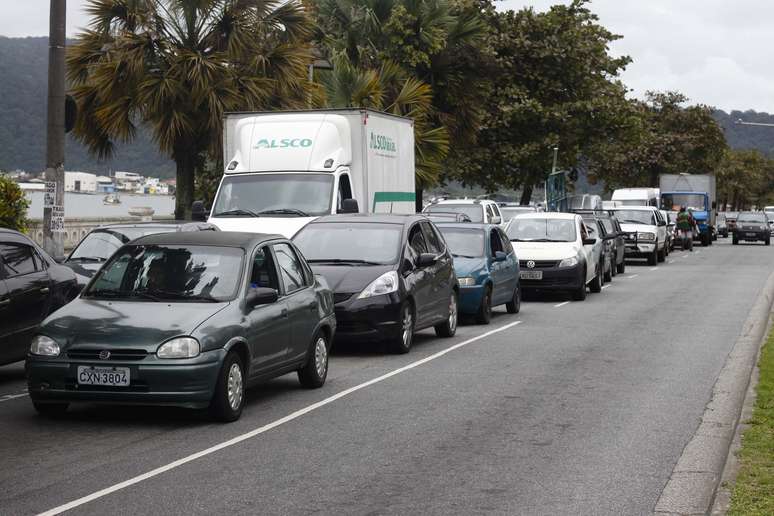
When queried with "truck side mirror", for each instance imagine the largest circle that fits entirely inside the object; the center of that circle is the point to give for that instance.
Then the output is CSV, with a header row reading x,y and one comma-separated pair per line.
x,y
349,206
198,213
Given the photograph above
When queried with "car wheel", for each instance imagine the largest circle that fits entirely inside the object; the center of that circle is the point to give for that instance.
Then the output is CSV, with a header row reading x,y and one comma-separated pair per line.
x,y
229,397
449,327
50,409
315,370
596,284
609,273
653,258
484,314
735,241
621,266
768,241
661,255
402,343
704,239
514,305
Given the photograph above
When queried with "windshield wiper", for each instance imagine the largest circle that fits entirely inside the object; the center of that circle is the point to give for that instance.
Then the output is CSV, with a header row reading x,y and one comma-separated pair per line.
x,y
168,294
284,211
238,212
463,256
339,260
93,259
122,294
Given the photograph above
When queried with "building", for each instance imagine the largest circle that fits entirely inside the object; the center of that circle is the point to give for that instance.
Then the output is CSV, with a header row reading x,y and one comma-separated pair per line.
x,y
129,181
80,182
105,184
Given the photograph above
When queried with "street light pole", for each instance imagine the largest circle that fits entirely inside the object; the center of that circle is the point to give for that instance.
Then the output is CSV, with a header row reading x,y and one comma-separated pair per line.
x,y
53,205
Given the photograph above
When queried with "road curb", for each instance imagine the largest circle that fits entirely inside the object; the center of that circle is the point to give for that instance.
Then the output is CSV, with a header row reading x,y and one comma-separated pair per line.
x,y
691,487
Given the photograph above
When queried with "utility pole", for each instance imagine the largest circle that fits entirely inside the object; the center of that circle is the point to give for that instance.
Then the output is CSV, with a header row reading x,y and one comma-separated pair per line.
x,y
53,204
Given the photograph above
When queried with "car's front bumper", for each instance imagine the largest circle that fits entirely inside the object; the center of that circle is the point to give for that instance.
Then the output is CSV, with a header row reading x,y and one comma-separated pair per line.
x,y
639,249
373,319
752,235
470,299
188,383
555,278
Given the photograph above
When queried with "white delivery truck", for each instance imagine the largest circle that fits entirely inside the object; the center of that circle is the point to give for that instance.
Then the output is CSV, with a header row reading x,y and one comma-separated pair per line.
x,y
283,169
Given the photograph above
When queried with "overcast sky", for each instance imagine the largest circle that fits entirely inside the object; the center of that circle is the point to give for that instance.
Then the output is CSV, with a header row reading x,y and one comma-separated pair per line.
x,y
717,52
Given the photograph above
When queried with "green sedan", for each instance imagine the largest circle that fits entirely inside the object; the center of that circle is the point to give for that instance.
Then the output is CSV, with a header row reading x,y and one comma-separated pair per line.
x,y
185,319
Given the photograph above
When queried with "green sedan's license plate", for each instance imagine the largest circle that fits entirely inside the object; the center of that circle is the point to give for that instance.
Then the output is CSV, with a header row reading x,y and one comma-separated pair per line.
x,y
531,275
105,376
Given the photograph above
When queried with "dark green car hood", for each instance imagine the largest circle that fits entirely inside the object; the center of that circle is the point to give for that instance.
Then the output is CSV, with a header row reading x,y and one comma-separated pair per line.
x,y
129,324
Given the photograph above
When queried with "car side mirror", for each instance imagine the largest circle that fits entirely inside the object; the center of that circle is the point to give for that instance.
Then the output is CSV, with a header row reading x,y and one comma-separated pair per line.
x,y
589,241
426,259
500,256
349,206
261,296
496,219
198,213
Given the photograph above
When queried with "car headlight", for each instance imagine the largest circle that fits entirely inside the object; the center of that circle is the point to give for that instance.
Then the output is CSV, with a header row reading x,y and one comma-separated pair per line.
x,y
180,347
44,346
763,227
467,281
387,283
572,261
646,236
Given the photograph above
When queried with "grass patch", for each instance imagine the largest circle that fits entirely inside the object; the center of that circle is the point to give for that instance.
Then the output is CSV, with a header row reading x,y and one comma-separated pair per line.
x,y
754,489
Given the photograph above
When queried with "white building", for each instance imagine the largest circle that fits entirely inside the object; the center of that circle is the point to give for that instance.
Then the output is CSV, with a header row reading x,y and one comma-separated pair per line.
x,y
80,182
128,181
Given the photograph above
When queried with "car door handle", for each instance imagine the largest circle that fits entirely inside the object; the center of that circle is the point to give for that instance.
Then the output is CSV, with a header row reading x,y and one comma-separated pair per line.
x,y
44,290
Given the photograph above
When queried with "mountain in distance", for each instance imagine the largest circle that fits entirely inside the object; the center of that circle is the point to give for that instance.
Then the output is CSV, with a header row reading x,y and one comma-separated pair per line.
x,y
23,83
23,97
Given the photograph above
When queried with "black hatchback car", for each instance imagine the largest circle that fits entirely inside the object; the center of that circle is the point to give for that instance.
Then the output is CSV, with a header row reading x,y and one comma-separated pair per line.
x,y
32,285
185,319
100,243
391,275
752,226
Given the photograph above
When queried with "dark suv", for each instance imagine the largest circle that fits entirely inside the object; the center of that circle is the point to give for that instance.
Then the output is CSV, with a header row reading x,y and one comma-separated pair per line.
x,y
391,275
752,226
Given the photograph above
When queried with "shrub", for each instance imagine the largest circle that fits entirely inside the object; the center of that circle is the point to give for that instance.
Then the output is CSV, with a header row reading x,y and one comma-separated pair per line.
x,y
13,205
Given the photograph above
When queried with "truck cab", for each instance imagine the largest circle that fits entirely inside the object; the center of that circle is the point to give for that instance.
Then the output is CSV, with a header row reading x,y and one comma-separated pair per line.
x,y
285,169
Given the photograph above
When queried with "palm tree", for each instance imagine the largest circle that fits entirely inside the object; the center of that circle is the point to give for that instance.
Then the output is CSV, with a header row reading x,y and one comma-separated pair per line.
x,y
178,66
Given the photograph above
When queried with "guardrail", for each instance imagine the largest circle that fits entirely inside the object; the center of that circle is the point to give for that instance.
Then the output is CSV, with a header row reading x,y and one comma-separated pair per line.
x,y
77,228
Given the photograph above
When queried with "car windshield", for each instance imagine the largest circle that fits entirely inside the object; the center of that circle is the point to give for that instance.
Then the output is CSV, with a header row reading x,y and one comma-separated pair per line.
x,y
537,229
169,273
369,243
100,244
465,243
758,218
636,217
274,195
673,201
474,211
511,211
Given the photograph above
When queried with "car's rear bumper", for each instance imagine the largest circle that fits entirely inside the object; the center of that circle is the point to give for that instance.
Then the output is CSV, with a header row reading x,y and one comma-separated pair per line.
x,y
189,383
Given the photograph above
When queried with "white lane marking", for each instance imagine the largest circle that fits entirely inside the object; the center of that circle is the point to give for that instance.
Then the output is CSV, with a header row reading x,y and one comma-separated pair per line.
x,y
698,252
654,268
603,287
561,304
9,397
260,430
671,261
633,276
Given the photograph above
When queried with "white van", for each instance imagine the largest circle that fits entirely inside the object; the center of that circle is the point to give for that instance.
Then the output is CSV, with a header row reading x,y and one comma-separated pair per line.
x,y
285,169
637,197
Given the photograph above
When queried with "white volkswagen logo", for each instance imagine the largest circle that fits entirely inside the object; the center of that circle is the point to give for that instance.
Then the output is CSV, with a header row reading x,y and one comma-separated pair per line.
x,y
531,264
104,354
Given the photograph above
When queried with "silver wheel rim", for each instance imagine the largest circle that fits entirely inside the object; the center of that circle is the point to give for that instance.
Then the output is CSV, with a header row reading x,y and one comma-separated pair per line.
x,y
235,386
320,357
408,323
453,313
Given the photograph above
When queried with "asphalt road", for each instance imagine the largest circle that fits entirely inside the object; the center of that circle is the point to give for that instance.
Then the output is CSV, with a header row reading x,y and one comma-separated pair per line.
x,y
565,408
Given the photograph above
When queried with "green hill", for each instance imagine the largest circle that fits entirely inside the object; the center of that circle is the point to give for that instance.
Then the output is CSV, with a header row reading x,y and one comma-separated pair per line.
x,y
23,84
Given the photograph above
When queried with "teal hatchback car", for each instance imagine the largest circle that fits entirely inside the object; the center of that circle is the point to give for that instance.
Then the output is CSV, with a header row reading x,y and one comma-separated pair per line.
x,y
486,267
185,319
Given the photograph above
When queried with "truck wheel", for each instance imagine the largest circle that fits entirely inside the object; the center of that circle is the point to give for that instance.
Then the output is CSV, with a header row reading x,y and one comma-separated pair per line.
x,y
661,255
705,239
653,257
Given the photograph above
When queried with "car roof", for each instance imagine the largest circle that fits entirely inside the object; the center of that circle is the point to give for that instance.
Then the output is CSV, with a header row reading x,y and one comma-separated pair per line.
x,y
211,238
156,224
374,218
463,201
636,208
546,215
11,235
465,225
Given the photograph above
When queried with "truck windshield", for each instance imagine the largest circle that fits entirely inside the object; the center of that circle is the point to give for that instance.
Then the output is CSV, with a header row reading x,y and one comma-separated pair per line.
x,y
673,201
274,195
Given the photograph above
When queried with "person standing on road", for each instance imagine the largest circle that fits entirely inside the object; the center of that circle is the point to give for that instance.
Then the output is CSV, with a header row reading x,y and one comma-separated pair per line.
x,y
685,225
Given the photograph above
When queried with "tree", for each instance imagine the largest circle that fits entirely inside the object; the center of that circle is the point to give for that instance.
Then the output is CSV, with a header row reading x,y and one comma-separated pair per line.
x,y
663,137
744,178
178,66
13,205
554,84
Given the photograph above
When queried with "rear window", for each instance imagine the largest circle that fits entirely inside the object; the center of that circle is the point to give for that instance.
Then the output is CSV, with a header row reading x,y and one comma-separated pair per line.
x,y
474,211
465,243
